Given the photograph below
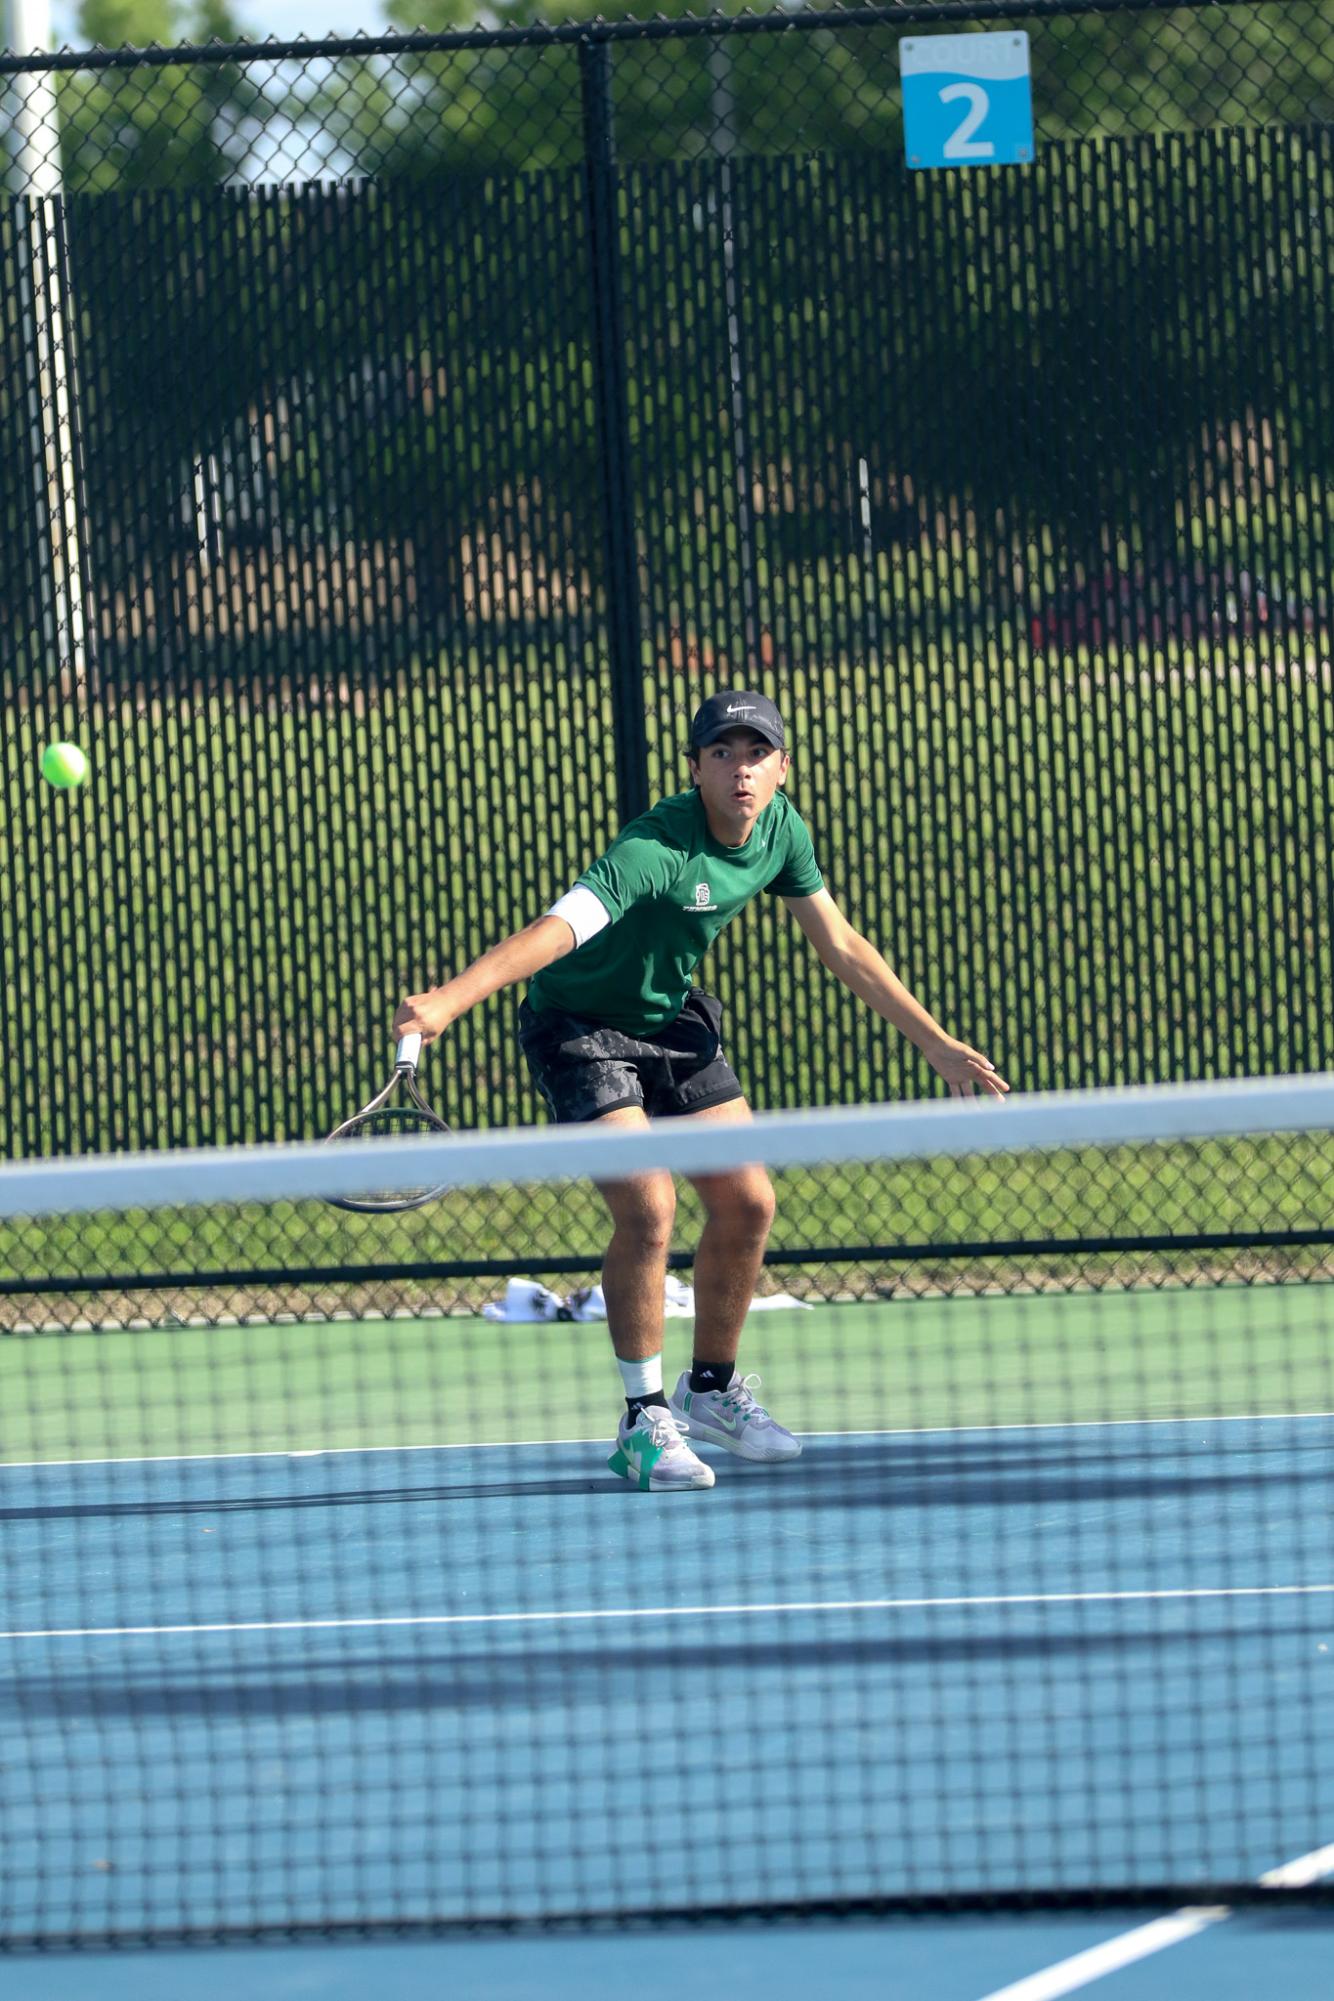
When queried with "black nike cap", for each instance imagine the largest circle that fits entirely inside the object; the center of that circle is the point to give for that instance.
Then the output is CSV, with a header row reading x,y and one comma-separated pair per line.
x,y
737,709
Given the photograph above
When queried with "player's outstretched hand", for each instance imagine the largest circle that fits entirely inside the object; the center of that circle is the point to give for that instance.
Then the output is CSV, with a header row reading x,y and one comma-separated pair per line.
x,y
427,1015
966,1071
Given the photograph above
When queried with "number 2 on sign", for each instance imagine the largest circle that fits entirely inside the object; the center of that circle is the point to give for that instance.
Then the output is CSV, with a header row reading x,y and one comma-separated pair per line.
x,y
961,145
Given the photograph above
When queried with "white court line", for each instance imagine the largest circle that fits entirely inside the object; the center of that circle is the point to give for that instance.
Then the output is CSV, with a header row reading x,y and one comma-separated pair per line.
x,y
1085,1967
529,1444
585,1615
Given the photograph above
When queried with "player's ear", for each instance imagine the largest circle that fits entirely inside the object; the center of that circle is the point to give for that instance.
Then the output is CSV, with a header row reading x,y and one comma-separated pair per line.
x,y
693,762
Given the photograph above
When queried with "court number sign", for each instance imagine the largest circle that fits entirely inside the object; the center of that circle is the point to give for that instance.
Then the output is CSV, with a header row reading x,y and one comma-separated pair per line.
x,y
967,100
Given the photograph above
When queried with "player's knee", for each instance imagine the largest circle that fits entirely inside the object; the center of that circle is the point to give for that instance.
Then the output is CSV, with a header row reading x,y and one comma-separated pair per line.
x,y
745,1206
654,1230
760,1204
645,1214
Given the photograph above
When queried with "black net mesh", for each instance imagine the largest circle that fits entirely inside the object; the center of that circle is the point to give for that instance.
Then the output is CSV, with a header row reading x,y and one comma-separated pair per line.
x,y
1082,1219
325,1609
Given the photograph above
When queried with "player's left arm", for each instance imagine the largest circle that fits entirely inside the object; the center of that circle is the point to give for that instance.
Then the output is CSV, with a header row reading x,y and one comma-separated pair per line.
x,y
855,961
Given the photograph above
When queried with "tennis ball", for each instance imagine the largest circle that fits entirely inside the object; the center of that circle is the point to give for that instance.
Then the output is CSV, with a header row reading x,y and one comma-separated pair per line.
x,y
63,765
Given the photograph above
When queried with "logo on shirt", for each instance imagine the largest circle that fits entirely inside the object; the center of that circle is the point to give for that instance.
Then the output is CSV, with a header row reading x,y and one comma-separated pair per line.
x,y
703,898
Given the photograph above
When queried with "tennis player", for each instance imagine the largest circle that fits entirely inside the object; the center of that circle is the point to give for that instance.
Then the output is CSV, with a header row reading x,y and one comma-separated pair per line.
x,y
615,1033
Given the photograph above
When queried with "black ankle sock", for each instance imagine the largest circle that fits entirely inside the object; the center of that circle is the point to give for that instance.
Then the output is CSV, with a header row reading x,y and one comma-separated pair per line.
x,y
711,1375
635,1404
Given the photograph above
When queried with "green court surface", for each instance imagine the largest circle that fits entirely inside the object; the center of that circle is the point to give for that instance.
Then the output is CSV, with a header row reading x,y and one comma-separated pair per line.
x,y
920,1364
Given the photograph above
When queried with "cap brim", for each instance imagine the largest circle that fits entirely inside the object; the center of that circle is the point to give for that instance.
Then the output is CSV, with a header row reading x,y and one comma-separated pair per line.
x,y
702,742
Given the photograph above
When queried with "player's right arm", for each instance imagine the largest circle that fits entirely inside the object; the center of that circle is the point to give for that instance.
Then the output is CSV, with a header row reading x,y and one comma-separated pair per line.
x,y
515,958
638,864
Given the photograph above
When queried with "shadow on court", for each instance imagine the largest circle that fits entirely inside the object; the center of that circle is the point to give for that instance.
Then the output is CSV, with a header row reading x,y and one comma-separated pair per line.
x,y
891,1473
500,1677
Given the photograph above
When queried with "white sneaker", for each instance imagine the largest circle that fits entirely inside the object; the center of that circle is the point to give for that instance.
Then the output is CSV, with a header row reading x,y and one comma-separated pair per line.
x,y
652,1453
733,1419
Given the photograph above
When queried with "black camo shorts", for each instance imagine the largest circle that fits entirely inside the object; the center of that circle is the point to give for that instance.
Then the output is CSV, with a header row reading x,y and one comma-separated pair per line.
x,y
584,1069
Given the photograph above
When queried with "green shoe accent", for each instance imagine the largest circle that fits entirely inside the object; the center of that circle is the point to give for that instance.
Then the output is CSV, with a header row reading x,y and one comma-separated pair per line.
x,y
619,1463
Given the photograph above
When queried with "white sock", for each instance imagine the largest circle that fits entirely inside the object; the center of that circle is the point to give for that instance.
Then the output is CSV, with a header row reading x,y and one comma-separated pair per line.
x,y
641,1379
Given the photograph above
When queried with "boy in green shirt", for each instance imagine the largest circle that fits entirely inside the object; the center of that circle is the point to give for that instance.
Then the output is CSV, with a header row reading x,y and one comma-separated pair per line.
x,y
614,1031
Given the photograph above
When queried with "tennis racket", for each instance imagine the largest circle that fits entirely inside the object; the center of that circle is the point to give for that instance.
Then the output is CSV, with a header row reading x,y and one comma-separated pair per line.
x,y
382,1120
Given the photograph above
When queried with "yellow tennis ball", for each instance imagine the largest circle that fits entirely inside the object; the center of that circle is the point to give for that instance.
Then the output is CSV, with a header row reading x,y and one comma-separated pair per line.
x,y
63,765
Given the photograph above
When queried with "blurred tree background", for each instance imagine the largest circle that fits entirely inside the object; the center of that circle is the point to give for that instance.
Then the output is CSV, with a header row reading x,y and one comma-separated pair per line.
x,y
296,278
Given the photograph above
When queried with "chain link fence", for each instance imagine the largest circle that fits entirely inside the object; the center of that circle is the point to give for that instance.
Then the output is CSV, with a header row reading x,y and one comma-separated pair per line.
x,y
406,433
1186,1215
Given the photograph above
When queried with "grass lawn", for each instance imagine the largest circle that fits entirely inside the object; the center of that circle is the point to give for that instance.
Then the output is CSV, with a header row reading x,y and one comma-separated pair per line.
x,y
1097,867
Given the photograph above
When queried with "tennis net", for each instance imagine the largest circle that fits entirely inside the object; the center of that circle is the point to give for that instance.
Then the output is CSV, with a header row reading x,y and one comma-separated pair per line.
x,y
320,1620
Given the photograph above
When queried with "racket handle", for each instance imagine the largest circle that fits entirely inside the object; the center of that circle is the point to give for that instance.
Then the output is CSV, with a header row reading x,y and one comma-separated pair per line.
x,y
409,1050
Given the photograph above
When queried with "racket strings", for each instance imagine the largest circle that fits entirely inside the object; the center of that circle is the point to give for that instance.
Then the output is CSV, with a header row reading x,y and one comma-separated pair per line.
x,y
390,1124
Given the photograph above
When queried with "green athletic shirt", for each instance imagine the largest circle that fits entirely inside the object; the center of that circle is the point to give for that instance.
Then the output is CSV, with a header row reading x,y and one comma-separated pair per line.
x,y
669,888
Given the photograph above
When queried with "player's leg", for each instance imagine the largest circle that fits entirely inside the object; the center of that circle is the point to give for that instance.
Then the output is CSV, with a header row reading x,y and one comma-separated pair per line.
x,y
588,1077
593,1077
634,1270
650,1451
738,1209
716,1402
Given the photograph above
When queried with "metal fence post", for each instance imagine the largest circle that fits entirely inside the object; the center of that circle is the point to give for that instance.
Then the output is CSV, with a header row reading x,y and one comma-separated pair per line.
x,y
611,392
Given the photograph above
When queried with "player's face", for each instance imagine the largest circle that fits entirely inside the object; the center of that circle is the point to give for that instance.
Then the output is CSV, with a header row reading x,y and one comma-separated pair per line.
x,y
737,776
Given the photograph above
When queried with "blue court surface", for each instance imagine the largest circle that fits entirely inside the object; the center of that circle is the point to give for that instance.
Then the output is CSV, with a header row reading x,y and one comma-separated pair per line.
x,y
1281,1956
447,1682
